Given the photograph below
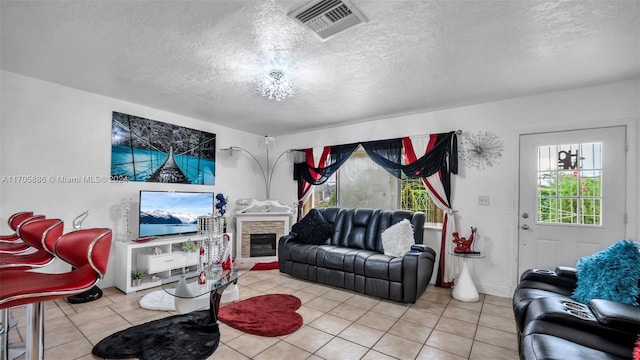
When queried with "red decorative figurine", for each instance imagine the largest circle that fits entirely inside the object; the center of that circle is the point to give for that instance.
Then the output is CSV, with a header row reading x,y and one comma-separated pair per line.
x,y
463,245
202,277
226,257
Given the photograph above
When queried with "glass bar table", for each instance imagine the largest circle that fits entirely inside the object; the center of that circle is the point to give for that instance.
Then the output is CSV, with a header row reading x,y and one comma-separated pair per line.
x,y
186,287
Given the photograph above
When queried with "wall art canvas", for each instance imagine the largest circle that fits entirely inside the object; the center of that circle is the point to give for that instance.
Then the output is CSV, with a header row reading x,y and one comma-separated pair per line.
x,y
153,151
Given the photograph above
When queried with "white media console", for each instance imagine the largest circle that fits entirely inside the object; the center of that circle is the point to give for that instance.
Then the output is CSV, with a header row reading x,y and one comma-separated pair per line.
x,y
162,258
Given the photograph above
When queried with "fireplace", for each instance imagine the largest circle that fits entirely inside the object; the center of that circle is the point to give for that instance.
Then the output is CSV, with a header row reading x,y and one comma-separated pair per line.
x,y
258,235
262,245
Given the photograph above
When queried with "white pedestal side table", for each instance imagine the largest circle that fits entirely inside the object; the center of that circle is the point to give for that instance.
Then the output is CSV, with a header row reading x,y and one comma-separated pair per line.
x,y
464,289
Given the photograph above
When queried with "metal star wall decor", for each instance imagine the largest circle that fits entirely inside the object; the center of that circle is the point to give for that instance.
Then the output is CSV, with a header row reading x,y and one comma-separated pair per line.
x,y
481,150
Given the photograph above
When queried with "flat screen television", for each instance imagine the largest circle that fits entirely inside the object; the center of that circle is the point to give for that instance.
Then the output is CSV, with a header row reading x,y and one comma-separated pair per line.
x,y
172,212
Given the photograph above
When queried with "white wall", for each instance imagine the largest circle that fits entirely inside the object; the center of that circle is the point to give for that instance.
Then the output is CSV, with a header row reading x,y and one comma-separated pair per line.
x,y
616,103
51,130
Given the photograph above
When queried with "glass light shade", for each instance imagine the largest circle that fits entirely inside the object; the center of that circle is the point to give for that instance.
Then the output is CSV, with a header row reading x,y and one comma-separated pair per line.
x,y
276,86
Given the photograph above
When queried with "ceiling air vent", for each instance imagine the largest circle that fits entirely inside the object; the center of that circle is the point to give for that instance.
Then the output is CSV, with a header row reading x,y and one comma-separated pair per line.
x,y
328,17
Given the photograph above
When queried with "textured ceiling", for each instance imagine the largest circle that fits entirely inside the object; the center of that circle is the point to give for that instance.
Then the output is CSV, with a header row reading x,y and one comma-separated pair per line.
x,y
201,58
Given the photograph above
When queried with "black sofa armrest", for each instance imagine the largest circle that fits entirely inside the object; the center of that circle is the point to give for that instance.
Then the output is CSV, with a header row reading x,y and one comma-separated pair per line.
x,y
616,315
288,237
417,268
420,247
549,277
567,272
283,252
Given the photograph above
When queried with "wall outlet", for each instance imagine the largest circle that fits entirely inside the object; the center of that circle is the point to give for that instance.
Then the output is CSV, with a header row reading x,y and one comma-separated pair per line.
x,y
484,200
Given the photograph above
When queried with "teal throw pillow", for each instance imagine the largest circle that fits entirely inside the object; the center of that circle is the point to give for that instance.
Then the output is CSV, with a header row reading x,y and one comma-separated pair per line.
x,y
611,274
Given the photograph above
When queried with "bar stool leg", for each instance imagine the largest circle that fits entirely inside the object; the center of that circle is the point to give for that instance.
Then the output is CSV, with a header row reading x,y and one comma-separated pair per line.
x,y
35,332
8,351
4,334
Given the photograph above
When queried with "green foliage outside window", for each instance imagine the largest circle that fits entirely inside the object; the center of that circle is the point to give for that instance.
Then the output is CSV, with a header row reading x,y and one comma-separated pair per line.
x,y
572,201
416,198
409,199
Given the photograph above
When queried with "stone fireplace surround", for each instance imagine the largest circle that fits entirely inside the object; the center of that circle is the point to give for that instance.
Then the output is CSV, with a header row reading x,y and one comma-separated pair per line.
x,y
278,223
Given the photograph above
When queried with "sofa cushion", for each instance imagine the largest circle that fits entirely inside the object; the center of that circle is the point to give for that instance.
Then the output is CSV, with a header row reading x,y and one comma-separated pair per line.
x,y
611,274
551,340
397,239
615,315
312,229
339,258
383,267
303,253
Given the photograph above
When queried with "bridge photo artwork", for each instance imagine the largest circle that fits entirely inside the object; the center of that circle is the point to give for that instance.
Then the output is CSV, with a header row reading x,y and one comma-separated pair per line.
x,y
153,151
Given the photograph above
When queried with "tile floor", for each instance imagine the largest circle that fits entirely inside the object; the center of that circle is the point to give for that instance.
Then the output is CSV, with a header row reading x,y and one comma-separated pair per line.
x,y
338,324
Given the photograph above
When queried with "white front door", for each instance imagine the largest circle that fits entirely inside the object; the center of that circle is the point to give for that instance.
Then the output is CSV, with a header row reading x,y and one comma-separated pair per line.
x,y
572,195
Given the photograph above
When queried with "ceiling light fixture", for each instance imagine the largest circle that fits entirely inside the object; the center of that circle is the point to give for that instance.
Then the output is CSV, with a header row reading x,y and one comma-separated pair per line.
x,y
276,86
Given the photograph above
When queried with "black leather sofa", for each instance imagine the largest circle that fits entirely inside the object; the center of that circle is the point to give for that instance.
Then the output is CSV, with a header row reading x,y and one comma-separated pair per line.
x,y
352,257
552,325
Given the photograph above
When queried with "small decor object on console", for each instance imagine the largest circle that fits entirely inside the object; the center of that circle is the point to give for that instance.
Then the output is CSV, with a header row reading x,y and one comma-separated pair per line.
x,y
125,209
463,245
202,278
143,239
136,276
189,246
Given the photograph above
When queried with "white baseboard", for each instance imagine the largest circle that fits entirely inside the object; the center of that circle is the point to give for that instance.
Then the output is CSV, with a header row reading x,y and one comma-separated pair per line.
x,y
495,290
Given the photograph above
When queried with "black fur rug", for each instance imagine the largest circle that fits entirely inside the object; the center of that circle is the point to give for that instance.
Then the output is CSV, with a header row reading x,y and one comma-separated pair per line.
x,y
178,337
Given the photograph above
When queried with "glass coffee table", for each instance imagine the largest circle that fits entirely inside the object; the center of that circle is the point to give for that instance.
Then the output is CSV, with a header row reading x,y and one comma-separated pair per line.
x,y
187,287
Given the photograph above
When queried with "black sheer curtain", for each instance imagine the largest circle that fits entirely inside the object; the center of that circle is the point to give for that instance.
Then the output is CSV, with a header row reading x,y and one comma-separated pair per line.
x,y
388,153
319,175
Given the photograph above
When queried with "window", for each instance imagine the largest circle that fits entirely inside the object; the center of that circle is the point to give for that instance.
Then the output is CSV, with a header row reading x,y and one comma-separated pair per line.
x,y
569,178
361,183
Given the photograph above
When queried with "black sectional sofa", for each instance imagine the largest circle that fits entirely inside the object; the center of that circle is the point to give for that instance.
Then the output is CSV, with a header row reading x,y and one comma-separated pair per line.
x,y
552,325
352,256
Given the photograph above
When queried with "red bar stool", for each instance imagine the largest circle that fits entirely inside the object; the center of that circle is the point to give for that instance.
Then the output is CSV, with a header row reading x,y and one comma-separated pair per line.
x,y
41,235
87,250
12,244
14,221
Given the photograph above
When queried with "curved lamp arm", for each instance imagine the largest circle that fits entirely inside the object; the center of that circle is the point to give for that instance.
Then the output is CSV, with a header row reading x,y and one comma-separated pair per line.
x,y
267,179
273,168
264,175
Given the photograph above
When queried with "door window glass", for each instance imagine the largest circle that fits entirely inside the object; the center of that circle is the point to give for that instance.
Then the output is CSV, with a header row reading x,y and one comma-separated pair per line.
x,y
569,184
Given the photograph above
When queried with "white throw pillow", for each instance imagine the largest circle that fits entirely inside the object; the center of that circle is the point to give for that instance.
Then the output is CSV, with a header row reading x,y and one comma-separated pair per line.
x,y
397,239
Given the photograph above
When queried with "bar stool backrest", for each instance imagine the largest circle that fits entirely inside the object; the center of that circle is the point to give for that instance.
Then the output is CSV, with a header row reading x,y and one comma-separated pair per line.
x,y
26,221
86,247
17,218
42,234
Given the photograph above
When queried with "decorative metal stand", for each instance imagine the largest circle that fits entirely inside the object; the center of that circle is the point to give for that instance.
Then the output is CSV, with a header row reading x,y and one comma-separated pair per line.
x,y
125,208
214,244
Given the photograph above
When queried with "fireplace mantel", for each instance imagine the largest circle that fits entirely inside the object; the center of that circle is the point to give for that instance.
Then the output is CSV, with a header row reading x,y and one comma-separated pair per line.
x,y
259,223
